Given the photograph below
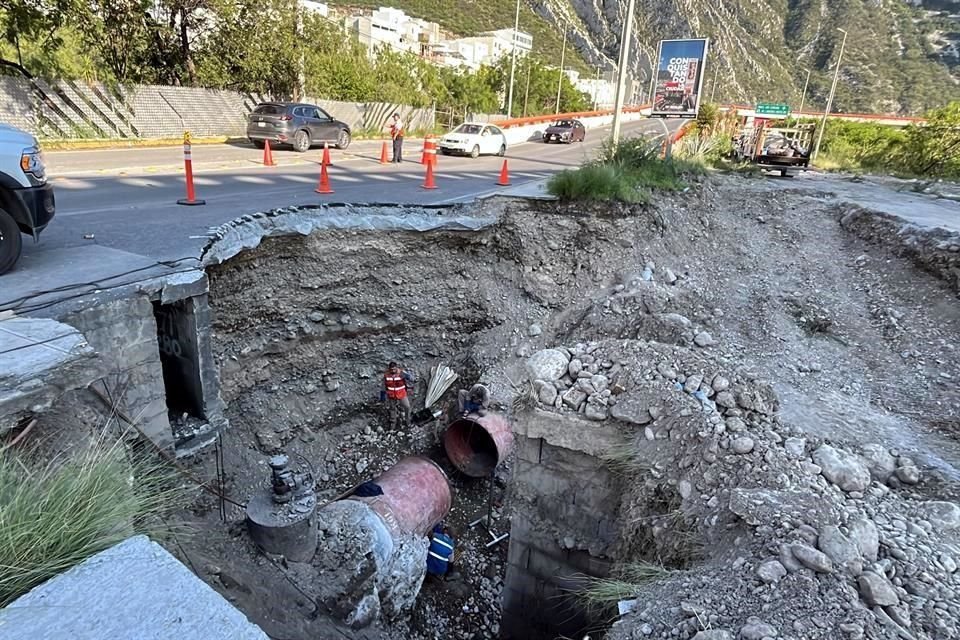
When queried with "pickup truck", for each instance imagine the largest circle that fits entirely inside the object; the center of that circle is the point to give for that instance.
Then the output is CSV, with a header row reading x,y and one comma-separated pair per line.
x,y
26,199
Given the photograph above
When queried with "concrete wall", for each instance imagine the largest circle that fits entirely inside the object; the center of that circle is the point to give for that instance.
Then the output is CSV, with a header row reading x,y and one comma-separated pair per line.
x,y
71,109
563,525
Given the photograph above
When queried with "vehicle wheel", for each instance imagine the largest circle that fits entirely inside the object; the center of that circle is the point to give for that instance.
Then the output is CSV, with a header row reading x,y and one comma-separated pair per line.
x,y
783,173
503,150
343,140
258,144
583,137
10,242
475,152
444,152
301,141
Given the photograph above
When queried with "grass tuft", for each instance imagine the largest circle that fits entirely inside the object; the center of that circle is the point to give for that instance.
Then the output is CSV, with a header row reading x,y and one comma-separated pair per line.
x,y
595,182
55,514
604,592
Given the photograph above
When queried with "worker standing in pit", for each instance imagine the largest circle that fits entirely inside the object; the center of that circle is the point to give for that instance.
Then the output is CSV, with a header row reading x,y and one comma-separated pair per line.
x,y
396,134
476,400
395,382
440,553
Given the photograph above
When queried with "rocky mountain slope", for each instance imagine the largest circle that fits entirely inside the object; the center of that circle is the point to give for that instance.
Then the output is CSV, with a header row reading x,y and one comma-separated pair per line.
x,y
898,57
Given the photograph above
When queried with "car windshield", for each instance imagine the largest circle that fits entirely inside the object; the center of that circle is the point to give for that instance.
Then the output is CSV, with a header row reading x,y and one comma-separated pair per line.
x,y
269,110
469,129
564,123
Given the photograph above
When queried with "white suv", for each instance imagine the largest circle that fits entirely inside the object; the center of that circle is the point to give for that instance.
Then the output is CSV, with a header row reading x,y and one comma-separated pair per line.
x,y
26,200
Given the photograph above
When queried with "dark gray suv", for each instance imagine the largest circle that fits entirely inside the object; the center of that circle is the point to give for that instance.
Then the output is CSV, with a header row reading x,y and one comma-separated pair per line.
x,y
297,124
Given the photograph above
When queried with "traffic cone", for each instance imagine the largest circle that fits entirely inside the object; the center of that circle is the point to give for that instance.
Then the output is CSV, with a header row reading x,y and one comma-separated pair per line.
x,y
326,155
423,154
429,183
268,155
383,154
504,180
324,186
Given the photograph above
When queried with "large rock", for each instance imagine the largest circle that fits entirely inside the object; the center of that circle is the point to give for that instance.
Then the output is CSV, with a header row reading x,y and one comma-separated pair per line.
x,y
549,364
864,534
877,590
882,465
843,469
713,634
574,397
755,629
944,516
771,571
634,407
546,392
812,559
840,549
596,408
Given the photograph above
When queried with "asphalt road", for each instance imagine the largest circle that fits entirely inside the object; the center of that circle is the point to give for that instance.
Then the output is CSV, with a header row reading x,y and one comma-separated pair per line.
x,y
126,199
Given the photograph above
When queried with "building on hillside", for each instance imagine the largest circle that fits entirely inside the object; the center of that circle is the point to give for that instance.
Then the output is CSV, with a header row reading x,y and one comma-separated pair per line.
x,y
319,8
392,28
487,48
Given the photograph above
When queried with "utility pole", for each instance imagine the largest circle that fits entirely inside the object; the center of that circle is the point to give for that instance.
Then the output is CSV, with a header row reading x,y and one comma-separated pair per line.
x,y
622,71
513,60
713,85
526,92
301,88
563,52
803,96
833,89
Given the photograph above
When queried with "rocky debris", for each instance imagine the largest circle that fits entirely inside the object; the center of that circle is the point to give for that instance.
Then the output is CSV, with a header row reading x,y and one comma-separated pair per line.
x,y
534,330
881,463
944,516
742,445
840,549
713,634
843,469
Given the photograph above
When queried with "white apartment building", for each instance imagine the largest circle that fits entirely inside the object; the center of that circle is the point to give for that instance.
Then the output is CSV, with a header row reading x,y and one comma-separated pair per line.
x,y
489,47
319,8
393,28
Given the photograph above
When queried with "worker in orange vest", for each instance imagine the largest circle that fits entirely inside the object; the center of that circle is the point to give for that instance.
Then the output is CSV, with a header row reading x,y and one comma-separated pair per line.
x,y
396,134
395,382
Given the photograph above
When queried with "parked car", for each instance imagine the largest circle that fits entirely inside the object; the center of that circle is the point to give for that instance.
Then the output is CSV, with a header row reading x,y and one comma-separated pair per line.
x,y
26,199
474,139
565,131
297,124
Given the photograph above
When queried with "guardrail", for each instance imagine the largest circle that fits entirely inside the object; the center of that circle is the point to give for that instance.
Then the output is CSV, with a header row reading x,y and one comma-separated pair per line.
x,y
576,115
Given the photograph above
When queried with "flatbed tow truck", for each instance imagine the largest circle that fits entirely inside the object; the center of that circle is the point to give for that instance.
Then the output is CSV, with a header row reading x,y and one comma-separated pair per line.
x,y
783,149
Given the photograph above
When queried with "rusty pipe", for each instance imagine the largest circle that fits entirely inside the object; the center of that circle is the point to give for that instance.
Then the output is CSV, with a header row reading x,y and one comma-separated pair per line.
x,y
476,445
416,496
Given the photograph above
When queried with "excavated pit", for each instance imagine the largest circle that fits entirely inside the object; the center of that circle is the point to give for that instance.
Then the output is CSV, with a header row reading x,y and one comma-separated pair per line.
x,y
654,373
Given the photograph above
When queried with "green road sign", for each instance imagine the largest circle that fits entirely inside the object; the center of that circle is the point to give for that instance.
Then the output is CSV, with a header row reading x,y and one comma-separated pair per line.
x,y
772,109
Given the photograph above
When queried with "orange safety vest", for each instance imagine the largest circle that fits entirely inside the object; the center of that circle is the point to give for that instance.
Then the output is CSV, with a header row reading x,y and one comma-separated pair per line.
x,y
396,386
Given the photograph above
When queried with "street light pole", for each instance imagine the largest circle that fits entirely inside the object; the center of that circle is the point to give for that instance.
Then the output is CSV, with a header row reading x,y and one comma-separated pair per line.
x,y
833,89
622,71
596,89
803,96
513,60
713,85
563,52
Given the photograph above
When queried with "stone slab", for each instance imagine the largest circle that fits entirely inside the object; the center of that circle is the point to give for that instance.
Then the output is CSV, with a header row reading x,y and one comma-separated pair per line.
x,y
132,591
593,438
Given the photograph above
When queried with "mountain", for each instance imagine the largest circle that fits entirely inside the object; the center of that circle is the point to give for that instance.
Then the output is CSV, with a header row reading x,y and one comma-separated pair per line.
x,y
900,57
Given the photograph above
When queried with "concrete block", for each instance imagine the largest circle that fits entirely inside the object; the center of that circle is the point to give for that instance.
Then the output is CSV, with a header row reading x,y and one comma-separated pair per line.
x,y
528,449
133,591
40,359
592,438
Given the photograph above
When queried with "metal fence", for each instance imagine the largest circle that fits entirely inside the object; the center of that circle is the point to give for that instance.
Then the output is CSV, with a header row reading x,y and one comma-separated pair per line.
x,y
64,109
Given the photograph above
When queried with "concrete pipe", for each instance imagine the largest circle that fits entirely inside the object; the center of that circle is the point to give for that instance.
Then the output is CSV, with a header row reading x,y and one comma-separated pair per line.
x,y
476,445
416,496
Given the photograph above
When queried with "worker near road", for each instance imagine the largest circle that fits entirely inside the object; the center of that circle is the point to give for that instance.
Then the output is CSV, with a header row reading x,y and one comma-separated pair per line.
x,y
395,382
396,134
476,400
440,553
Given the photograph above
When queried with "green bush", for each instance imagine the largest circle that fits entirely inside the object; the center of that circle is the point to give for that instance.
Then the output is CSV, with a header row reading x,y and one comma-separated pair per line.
x,y
595,182
56,514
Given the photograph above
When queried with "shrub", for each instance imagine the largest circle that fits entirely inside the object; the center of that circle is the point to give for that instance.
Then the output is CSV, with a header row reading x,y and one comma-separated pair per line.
x,y
595,182
56,514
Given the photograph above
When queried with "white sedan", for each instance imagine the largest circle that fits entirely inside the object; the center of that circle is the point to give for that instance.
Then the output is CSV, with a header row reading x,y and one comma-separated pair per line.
x,y
474,139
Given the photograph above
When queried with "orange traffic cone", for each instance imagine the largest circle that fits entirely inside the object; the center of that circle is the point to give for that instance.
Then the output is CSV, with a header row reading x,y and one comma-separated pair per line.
x,y
423,154
324,186
326,155
383,154
429,183
268,155
504,180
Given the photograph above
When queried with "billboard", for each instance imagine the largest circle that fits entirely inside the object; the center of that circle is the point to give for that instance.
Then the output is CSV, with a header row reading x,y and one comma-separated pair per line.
x,y
679,78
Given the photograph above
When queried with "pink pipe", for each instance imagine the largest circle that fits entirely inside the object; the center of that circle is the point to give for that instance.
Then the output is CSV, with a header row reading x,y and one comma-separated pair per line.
x,y
476,445
416,496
